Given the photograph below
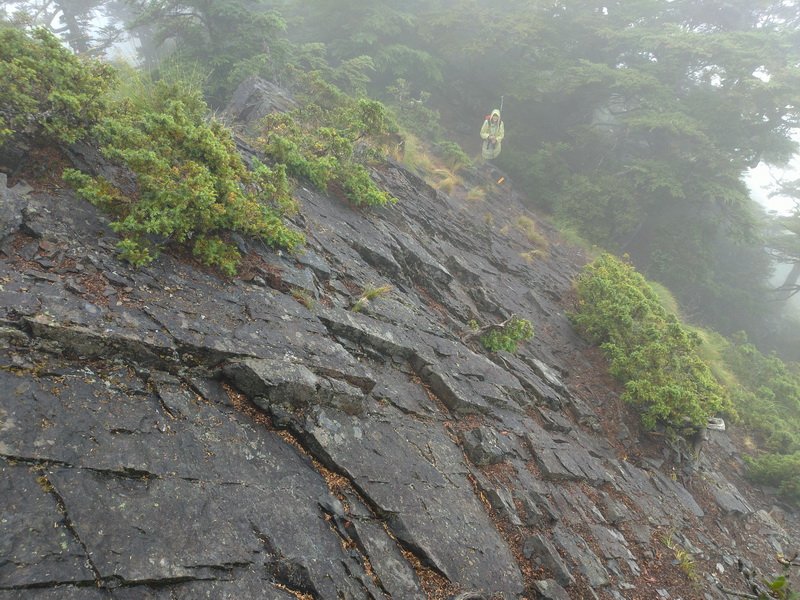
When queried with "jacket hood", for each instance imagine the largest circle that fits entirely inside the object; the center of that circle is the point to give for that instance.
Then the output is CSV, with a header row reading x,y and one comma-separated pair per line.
x,y
495,112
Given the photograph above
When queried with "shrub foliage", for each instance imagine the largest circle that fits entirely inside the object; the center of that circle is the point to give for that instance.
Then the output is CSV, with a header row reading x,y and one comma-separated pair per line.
x,y
779,470
328,142
649,350
768,399
192,183
48,91
507,336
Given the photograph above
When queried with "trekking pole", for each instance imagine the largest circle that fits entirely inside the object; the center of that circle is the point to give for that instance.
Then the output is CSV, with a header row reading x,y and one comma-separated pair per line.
x,y
501,106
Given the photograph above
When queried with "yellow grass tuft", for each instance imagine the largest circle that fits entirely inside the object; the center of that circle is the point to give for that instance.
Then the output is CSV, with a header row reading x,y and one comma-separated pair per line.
x,y
528,226
476,194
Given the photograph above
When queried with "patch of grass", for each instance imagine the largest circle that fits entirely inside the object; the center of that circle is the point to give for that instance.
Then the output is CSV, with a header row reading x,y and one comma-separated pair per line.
x,y
665,297
682,558
368,295
303,297
572,237
531,256
415,158
445,180
476,194
712,350
528,227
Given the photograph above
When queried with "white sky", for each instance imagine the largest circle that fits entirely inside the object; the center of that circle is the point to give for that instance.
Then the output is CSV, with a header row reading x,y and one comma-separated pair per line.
x,y
761,181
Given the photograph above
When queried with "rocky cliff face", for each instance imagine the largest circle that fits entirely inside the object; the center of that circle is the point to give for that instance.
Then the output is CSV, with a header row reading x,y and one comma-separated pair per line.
x,y
166,433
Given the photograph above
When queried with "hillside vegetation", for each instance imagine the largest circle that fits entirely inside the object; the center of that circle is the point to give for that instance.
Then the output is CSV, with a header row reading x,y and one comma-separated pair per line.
x,y
671,382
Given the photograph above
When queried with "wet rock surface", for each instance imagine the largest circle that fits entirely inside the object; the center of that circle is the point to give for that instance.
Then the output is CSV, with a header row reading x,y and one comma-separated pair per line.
x,y
167,433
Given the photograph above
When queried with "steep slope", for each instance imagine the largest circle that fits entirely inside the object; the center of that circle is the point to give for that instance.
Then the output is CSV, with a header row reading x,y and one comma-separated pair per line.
x,y
166,433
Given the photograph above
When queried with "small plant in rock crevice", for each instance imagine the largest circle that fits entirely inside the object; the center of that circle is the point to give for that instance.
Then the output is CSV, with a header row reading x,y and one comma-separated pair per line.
x,y
476,194
682,558
531,256
503,336
303,297
528,227
369,294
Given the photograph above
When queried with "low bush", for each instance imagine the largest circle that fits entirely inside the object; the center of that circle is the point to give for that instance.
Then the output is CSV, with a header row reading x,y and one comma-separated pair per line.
x,y
48,91
192,185
508,336
650,351
452,155
329,141
767,396
780,471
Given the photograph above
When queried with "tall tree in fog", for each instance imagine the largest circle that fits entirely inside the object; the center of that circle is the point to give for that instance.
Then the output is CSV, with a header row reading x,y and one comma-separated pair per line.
x,y
785,241
225,39
386,31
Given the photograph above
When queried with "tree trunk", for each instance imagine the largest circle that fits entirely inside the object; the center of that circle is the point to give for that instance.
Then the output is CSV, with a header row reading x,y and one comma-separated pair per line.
x,y
77,36
790,286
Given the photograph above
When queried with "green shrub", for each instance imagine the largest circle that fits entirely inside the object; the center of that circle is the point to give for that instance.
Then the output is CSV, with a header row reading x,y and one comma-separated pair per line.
x,y
192,183
452,154
327,142
649,349
359,187
767,397
412,112
509,336
46,89
780,471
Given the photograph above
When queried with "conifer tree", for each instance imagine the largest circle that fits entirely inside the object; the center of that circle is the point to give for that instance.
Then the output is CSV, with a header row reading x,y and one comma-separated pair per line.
x,y
225,39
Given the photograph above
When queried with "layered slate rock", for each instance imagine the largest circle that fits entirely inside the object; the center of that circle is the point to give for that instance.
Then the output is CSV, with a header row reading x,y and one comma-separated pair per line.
x,y
414,476
581,556
543,554
561,458
465,381
727,497
37,546
11,205
166,487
